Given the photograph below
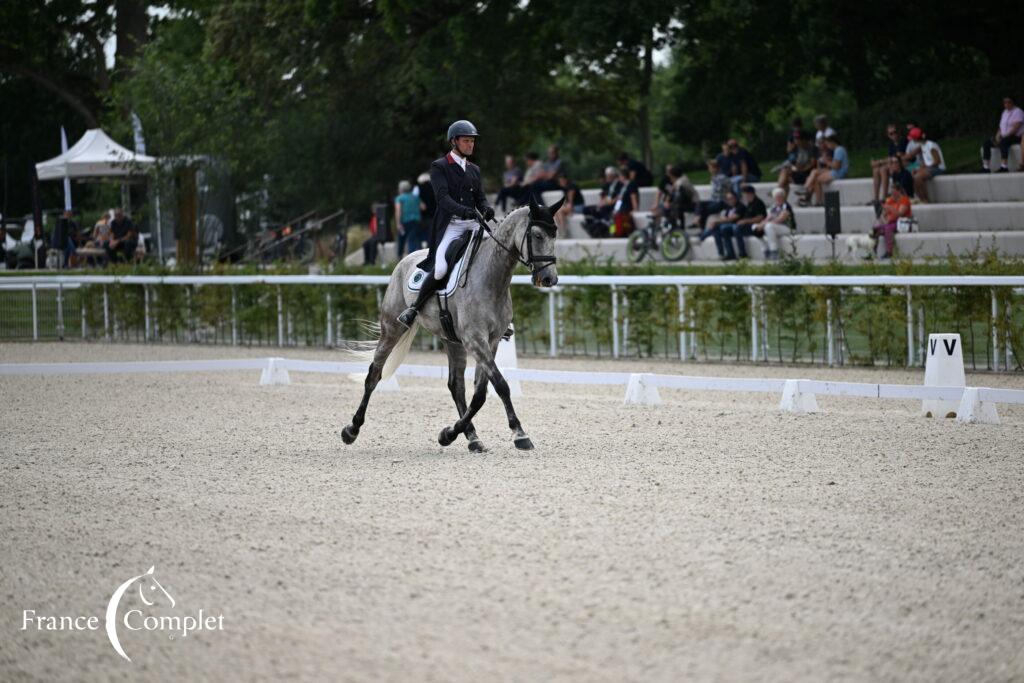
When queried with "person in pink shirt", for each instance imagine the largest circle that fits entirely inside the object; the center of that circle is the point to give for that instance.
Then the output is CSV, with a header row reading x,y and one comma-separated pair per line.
x,y
1011,125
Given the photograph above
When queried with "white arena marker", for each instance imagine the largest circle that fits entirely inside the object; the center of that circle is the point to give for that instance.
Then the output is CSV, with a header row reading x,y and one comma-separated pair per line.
x,y
796,401
505,359
641,392
274,373
389,384
975,411
944,367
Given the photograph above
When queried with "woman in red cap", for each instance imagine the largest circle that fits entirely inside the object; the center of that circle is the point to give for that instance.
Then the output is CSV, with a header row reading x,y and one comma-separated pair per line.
x,y
932,164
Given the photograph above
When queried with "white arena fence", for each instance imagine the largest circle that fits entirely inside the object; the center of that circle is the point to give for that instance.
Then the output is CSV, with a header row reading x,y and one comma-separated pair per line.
x,y
131,307
975,404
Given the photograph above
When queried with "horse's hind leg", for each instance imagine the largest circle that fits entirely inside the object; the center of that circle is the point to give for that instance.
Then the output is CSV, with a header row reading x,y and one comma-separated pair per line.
x,y
449,434
389,336
457,385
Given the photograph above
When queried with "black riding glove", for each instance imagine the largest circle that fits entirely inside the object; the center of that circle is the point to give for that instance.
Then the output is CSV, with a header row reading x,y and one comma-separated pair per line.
x,y
488,214
468,213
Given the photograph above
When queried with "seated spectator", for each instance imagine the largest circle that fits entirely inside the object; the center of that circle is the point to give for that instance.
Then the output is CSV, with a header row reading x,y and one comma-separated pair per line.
x,y
796,131
719,186
409,220
1011,125
744,167
547,179
611,188
779,222
822,132
898,174
640,174
124,236
800,162
534,174
100,239
831,168
880,167
511,184
932,164
685,198
627,202
573,204
66,237
731,212
754,212
663,198
897,206
911,157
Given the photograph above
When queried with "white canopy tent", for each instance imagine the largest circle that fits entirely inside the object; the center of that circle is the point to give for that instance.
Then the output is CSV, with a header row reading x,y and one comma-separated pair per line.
x,y
95,155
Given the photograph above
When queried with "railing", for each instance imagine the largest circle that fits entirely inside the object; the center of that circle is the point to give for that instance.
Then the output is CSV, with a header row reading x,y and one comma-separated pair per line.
x,y
677,313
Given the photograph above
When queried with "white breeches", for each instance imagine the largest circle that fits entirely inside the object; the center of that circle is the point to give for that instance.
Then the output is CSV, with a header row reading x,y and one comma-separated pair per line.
x,y
772,233
457,227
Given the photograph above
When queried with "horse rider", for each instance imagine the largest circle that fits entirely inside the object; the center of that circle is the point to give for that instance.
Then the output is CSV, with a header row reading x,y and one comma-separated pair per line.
x,y
459,195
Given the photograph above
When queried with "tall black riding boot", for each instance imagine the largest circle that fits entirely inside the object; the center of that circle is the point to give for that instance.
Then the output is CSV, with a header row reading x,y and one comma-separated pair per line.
x,y
427,289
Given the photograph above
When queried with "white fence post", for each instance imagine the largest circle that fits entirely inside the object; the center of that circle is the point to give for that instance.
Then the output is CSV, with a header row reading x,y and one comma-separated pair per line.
x,y
753,323
60,311
280,318
830,343
328,339
145,313
681,298
552,328
910,329
35,314
234,316
615,322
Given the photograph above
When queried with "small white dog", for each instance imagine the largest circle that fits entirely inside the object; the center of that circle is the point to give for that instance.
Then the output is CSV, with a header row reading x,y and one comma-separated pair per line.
x,y
860,247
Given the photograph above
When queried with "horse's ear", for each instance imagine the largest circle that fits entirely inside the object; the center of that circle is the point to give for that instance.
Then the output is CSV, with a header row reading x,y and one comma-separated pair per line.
x,y
556,206
533,205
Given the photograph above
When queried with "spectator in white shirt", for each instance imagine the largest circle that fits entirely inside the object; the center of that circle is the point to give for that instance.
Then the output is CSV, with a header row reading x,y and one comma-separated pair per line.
x,y
932,164
1011,125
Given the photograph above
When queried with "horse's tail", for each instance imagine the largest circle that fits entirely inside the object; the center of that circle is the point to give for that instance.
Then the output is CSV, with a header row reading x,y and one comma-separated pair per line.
x,y
399,353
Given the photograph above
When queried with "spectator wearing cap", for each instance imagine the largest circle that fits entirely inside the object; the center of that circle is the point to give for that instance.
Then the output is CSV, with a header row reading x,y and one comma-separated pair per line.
x,y
511,184
754,212
409,219
932,164
779,222
834,167
744,168
880,167
1011,125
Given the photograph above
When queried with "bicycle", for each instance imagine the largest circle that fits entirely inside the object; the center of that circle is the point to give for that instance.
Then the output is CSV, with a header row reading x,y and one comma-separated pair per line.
x,y
672,242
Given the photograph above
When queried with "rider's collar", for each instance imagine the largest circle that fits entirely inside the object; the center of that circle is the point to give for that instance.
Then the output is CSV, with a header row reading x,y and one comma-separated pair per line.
x,y
454,158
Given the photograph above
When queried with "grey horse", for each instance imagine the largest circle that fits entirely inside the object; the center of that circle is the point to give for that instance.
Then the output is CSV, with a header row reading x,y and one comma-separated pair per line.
x,y
481,310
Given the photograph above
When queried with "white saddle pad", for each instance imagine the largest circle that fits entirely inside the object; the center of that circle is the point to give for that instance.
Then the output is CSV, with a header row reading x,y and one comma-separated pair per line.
x,y
418,275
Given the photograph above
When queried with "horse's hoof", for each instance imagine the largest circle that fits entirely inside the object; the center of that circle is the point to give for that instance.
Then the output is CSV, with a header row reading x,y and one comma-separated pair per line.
x,y
446,437
348,434
477,446
523,443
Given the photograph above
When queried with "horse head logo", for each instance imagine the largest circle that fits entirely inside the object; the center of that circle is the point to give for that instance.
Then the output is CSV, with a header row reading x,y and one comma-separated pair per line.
x,y
150,591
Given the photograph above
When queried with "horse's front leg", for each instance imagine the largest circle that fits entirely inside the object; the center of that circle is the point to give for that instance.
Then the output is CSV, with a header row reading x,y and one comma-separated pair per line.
x,y
449,434
457,387
519,437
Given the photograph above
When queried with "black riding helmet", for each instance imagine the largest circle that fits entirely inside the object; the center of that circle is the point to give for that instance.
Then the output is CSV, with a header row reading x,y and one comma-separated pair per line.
x,y
462,128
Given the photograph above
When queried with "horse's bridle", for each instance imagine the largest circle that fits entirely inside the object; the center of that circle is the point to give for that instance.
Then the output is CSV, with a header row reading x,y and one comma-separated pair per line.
x,y
535,262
